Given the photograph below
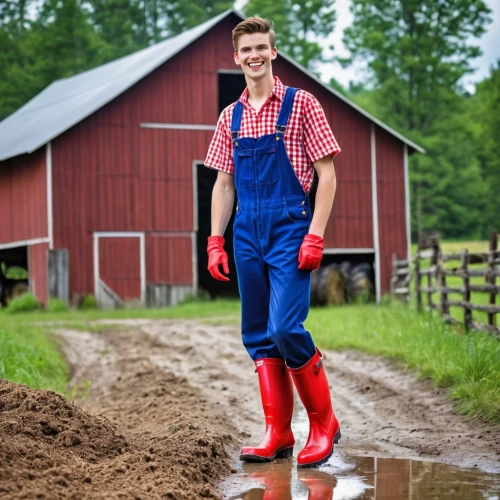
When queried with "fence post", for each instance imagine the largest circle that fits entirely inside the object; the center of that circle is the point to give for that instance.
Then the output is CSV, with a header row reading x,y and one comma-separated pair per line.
x,y
418,281
466,291
492,277
434,262
442,283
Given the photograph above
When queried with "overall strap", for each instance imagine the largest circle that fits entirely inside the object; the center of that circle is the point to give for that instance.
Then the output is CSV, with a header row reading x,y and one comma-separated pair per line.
x,y
236,120
286,110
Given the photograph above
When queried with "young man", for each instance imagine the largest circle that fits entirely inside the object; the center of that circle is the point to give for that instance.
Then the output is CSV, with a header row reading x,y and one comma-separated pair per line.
x,y
265,148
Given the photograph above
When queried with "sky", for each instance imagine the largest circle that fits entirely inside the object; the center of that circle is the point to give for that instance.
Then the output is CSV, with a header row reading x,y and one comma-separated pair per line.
x,y
489,43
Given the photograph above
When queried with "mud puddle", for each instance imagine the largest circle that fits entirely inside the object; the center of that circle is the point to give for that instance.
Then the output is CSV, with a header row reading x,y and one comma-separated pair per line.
x,y
346,477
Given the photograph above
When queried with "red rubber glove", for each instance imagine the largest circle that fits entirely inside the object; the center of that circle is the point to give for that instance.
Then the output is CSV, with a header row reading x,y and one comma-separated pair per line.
x,y
311,252
217,255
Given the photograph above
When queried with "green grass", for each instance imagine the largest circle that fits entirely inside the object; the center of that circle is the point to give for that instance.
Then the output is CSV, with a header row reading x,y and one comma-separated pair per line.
x,y
458,246
30,355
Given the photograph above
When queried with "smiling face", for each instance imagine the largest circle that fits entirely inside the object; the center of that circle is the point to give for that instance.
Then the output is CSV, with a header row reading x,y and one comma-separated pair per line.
x,y
255,55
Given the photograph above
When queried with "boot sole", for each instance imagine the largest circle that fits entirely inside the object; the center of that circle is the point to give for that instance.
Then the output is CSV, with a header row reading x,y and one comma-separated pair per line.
x,y
336,440
284,453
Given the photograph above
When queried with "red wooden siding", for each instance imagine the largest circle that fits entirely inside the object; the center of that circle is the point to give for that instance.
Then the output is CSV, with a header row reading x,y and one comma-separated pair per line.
x,y
23,198
391,203
169,259
120,266
37,264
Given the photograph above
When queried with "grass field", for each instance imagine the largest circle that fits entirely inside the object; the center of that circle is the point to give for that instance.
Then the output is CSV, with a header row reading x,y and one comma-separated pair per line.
x,y
458,246
468,365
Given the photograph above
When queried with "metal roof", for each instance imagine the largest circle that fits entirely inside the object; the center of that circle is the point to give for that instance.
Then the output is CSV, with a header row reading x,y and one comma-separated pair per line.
x,y
67,102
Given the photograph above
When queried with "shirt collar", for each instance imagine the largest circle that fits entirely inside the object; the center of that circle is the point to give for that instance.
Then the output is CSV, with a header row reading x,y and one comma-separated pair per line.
x,y
278,91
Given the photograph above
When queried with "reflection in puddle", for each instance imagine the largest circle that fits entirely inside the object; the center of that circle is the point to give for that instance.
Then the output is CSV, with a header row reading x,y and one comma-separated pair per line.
x,y
364,478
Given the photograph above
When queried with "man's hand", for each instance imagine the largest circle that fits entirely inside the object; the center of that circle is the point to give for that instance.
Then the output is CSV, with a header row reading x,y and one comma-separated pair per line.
x,y
311,252
217,255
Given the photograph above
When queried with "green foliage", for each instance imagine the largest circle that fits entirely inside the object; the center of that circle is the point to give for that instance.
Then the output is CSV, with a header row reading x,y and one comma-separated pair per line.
x,y
417,52
296,21
14,272
55,305
120,24
185,14
483,119
89,302
23,303
31,356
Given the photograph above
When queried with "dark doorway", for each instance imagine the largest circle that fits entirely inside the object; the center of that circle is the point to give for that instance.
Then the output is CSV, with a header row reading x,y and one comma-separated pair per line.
x,y
13,273
231,86
205,183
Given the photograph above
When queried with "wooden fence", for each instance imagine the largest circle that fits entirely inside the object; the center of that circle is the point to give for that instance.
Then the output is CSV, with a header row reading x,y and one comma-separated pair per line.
x,y
433,280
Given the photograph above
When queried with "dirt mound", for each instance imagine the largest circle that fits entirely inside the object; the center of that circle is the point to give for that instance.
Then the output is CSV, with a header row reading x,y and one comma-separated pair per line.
x,y
51,448
42,421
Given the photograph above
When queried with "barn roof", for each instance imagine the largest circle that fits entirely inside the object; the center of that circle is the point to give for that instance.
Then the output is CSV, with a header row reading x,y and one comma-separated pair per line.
x,y
67,102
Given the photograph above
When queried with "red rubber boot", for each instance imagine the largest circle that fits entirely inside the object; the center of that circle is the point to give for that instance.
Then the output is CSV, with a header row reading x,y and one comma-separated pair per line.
x,y
276,391
324,430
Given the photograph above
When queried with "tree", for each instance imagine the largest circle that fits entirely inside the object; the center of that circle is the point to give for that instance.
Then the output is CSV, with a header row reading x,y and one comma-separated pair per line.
x,y
483,120
120,24
184,14
417,52
60,43
298,24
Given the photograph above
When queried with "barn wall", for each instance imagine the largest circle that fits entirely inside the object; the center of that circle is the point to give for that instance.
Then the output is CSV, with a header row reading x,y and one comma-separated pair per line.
x,y
391,202
23,198
168,259
37,263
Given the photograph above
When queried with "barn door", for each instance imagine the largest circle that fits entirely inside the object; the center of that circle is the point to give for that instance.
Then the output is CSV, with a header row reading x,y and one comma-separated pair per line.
x,y
119,266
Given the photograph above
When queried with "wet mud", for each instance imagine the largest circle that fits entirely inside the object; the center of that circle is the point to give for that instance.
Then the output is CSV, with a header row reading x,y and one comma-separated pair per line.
x,y
162,408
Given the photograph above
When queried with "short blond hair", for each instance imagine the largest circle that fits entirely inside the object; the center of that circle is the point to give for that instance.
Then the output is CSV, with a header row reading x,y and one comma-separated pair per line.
x,y
254,25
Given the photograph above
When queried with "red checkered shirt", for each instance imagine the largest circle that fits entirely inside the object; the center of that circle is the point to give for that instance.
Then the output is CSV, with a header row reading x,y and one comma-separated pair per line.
x,y
308,137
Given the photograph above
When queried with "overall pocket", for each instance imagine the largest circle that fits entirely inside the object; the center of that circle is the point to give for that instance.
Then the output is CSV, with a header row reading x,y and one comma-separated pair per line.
x,y
245,169
266,165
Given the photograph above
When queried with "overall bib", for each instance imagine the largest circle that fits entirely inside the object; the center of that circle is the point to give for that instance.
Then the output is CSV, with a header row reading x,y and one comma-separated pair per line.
x,y
273,216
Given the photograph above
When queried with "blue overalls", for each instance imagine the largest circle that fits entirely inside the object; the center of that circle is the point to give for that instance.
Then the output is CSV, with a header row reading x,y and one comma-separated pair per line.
x,y
272,218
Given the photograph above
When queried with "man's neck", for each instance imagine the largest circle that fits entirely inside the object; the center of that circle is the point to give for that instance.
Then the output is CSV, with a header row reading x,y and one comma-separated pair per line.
x,y
260,90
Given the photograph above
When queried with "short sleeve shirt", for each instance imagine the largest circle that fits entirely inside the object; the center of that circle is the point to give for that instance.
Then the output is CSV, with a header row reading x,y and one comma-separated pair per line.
x,y
308,136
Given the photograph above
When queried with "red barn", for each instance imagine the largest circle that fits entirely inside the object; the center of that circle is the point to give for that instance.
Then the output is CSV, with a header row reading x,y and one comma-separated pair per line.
x,y
108,164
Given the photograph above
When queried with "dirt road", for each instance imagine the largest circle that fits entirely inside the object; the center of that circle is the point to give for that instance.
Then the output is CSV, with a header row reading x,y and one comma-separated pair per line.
x,y
166,406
